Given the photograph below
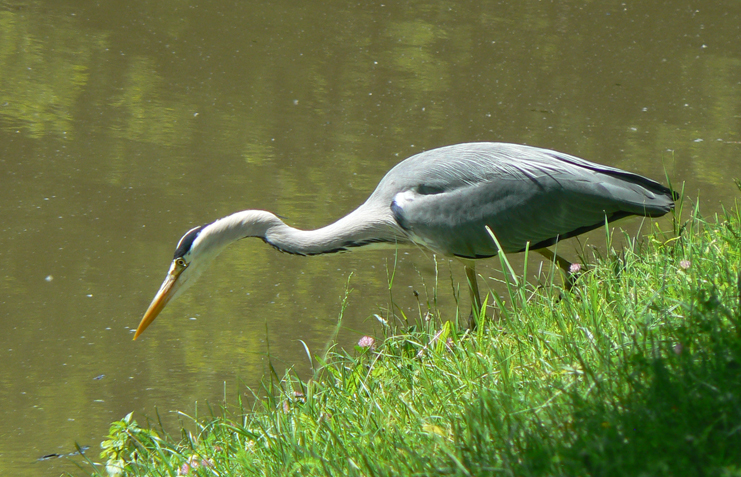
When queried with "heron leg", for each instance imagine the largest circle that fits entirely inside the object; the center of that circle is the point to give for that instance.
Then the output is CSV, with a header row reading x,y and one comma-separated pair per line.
x,y
473,288
564,264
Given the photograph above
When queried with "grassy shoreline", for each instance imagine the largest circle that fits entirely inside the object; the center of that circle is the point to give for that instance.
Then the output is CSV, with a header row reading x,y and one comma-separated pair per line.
x,y
636,371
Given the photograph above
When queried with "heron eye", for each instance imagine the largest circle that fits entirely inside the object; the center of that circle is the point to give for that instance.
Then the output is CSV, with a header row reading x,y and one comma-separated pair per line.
x,y
181,263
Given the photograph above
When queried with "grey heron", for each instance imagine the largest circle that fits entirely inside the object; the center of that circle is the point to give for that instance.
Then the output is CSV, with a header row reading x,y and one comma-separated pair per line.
x,y
442,200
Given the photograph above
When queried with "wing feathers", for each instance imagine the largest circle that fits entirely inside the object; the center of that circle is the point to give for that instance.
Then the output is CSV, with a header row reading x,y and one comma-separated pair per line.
x,y
523,194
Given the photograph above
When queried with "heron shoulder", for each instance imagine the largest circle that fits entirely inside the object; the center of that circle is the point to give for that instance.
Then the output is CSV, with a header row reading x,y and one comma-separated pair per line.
x,y
450,167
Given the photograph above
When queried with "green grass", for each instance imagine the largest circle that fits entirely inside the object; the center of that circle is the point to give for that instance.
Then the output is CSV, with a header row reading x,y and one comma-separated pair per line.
x,y
636,371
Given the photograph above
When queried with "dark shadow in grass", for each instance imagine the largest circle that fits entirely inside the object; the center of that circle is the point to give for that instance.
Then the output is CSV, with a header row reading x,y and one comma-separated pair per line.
x,y
679,413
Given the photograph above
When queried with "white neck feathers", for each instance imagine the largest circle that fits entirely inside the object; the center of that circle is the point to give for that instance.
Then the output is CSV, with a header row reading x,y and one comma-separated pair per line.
x,y
363,226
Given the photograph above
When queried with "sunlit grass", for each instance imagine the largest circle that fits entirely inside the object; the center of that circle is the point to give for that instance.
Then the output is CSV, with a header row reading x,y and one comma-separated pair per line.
x,y
636,371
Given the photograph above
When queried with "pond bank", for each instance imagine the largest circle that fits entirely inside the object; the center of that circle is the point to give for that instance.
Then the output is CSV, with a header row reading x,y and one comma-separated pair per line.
x,y
636,371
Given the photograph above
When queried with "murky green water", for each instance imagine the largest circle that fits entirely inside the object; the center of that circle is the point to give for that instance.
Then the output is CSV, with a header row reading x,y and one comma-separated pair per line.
x,y
123,124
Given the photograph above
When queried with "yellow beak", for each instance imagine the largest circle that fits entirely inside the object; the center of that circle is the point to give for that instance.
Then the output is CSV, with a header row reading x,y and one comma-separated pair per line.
x,y
163,296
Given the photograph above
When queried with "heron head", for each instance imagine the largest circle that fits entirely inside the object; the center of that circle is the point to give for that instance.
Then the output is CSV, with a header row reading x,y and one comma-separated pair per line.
x,y
192,256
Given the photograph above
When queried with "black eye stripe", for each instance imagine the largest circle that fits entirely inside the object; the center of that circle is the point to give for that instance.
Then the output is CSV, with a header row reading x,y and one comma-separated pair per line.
x,y
187,241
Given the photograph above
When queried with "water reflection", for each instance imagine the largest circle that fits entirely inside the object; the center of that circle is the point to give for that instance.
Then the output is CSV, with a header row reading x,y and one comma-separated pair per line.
x,y
125,123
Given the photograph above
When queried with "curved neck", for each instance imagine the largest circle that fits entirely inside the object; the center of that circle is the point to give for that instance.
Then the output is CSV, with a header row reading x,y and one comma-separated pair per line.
x,y
366,225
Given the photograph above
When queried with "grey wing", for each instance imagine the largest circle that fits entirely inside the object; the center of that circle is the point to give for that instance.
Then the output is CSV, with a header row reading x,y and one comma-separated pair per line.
x,y
522,201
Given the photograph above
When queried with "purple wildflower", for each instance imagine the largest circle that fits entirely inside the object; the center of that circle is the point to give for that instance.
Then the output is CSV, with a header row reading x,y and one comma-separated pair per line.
x,y
367,342
194,463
